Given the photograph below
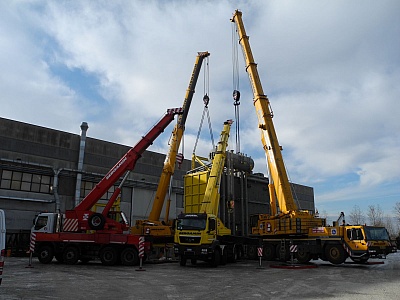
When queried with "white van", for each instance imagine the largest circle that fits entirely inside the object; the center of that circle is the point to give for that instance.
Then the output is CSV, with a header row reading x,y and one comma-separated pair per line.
x,y
2,241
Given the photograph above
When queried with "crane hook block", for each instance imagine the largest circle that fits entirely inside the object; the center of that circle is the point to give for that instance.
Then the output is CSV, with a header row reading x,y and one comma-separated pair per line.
x,y
206,100
236,96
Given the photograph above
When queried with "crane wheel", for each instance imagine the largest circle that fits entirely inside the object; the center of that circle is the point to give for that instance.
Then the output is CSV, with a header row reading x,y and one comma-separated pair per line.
x,y
335,254
129,257
303,257
97,221
71,255
269,252
108,256
46,253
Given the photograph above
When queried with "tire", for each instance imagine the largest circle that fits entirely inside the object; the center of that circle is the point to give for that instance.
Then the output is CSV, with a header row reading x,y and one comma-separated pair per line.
x,y
269,252
303,256
182,261
96,221
335,254
252,252
46,254
216,259
129,257
71,255
108,256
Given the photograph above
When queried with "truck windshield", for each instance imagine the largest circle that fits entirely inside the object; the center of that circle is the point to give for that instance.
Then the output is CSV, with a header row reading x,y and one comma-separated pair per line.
x,y
41,222
355,234
187,224
376,233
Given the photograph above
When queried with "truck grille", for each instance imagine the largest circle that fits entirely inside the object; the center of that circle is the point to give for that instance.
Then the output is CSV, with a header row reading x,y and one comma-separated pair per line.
x,y
189,239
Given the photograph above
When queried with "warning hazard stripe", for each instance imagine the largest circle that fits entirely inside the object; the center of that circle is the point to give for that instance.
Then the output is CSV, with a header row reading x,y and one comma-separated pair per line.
x,y
141,246
32,242
70,225
348,250
293,248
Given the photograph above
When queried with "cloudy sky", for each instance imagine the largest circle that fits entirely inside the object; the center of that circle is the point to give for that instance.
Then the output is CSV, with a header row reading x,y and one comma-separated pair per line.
x,y
331,70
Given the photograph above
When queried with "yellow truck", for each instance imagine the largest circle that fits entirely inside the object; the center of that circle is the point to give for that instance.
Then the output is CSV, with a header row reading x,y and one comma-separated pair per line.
x,y
199,233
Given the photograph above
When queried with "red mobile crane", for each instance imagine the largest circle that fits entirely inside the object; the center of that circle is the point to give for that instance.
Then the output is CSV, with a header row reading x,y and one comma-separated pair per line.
x,y
84,234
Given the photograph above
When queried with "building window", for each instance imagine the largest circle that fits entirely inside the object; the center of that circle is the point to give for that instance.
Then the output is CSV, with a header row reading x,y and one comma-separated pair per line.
x,y
28,182
87,187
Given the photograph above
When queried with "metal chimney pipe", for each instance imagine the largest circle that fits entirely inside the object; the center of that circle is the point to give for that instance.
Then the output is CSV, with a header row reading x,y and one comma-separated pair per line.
x,y
84,128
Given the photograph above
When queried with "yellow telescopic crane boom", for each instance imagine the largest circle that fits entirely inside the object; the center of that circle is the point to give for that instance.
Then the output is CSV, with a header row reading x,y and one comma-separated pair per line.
x,y
210,203
169,164
279,181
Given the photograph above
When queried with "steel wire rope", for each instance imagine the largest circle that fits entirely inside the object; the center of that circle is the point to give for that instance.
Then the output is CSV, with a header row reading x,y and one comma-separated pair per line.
x,y
235,84
206,100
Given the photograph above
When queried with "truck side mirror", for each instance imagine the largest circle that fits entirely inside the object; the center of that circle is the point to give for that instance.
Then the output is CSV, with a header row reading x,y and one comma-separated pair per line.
x,y
211,225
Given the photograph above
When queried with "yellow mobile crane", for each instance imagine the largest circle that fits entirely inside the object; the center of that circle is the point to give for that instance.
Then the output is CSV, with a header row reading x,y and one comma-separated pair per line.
x,y
199,233
153,226
290,226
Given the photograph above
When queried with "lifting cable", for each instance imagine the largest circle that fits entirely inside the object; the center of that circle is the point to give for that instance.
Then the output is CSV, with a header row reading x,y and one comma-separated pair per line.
x,y
235,84
206,100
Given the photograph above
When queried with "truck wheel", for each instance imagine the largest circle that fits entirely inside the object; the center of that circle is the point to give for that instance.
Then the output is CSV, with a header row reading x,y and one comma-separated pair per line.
x,y
216,259
108,256
46,254
71,255
269,252
96,221
129,257
335,254
182,261
303,256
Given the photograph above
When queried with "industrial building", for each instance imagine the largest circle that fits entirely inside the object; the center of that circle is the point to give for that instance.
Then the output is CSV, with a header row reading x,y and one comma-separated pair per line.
x,y
43,169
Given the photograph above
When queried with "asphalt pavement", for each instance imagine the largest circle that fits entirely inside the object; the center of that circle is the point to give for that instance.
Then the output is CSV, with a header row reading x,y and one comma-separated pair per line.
x,y
241,280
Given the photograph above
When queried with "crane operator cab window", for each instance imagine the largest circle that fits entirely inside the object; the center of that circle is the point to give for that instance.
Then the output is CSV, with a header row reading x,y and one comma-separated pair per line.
x,y
41,222
355,234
